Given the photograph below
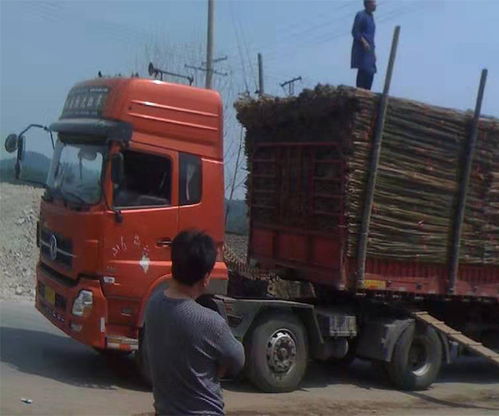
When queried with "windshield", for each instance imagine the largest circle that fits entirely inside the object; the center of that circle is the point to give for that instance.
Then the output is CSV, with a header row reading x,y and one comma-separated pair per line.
x,y
75,172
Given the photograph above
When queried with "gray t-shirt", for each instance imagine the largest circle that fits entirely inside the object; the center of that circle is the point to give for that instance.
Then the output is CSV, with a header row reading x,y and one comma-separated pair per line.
x,y
186,344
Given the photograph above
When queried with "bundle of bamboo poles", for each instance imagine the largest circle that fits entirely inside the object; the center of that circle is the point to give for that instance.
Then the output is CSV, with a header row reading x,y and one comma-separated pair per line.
x,y
420,169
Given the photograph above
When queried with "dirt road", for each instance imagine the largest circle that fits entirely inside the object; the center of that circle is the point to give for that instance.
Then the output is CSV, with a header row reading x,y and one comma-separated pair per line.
x,y
62,377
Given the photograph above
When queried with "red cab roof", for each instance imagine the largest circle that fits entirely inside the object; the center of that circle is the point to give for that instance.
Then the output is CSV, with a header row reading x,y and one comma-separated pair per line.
x,y
163,114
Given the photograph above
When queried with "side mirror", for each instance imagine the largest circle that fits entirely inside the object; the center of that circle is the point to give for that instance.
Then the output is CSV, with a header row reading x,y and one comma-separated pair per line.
x,y
11,143
117,168
16,143
20,147
20,156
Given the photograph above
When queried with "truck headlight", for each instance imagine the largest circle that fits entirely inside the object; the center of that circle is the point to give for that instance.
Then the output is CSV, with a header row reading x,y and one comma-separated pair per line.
x,y
82,305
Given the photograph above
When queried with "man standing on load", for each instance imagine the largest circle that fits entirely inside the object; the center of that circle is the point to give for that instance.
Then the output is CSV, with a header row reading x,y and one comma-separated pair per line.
x,y
363,56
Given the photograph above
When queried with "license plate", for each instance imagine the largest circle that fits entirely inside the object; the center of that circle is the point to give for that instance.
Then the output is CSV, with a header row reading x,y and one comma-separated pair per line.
x,y
50,295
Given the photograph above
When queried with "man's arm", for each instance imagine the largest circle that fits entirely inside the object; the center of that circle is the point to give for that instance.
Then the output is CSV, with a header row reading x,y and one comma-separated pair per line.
x,y
357,30
230,352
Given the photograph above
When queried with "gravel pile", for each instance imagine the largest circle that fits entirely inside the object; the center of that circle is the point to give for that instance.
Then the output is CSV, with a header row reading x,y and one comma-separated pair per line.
x,y
19,209
238,244
19,206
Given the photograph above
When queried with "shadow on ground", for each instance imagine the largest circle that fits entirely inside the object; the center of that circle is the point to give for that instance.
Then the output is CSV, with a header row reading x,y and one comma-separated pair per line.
x,y
62,359
362,374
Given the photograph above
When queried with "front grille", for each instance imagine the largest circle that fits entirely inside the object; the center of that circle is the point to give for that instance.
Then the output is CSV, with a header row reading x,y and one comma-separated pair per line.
x,y
63,251
58,277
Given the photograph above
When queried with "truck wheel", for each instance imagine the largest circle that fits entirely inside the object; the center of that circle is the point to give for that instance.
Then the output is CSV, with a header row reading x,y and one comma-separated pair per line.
x,y
277,353
142,360
416,360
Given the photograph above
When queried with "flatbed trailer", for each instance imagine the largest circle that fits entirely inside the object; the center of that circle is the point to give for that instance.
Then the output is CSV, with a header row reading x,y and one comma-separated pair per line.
x,y
406,288
405,335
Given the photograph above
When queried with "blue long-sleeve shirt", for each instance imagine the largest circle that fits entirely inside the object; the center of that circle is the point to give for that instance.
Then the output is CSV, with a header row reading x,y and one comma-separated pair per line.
x,y
363,27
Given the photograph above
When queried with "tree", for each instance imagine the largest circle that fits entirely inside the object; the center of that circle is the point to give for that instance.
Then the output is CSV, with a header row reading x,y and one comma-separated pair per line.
x,y
174,57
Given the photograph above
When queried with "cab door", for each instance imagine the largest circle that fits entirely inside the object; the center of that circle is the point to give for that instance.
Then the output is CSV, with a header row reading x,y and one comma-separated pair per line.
x,y
138,247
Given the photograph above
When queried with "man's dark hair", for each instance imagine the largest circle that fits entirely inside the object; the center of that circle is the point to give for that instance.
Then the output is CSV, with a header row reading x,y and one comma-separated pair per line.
x,y
193,256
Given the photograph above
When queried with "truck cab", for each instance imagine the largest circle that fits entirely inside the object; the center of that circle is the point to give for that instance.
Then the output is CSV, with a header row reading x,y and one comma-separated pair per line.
x,y
135,161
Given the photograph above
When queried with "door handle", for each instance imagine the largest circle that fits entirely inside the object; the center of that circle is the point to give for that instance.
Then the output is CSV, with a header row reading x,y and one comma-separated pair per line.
x,y
164,242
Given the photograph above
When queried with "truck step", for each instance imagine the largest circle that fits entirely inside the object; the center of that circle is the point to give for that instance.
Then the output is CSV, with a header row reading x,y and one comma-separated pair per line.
x,y
457,336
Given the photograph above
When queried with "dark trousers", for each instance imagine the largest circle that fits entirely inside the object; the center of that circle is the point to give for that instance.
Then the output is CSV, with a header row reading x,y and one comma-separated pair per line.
x,y
364,79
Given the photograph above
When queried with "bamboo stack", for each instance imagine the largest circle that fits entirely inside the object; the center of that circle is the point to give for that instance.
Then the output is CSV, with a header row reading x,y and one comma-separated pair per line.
x,y
419,173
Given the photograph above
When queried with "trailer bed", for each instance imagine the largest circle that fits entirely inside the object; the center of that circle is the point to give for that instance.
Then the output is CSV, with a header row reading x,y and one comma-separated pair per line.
x,y
308,160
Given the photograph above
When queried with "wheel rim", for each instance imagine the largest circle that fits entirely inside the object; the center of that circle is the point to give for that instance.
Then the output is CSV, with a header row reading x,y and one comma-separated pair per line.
x,y
281,352
418,359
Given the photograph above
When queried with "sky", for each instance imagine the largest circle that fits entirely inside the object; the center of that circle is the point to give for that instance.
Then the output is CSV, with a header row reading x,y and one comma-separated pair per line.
x,y
46,47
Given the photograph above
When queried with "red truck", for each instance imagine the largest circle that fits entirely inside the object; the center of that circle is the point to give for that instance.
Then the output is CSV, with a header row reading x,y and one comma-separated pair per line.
x,y
137,160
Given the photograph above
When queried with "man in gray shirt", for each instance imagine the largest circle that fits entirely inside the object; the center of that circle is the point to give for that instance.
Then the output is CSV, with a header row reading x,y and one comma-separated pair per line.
x,y
189,346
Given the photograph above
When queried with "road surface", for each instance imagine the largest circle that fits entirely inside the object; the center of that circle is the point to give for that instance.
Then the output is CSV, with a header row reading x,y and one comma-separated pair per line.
x,y
63,377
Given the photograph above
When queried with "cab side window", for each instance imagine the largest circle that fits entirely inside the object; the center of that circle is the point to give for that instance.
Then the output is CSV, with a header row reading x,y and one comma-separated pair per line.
x,y
146,182
190,179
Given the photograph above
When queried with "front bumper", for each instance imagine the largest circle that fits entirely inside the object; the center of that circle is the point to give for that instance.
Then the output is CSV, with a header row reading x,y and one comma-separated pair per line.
x,y
54,299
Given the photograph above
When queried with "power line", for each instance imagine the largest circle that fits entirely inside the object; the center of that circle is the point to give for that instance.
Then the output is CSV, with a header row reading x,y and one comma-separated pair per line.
x,y
204,69
248,55
243,66
338,34
329,22
317,40
304,31
309,27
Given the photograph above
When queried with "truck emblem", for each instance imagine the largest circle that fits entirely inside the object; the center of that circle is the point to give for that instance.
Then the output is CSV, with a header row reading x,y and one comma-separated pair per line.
x,y
53,247
144,263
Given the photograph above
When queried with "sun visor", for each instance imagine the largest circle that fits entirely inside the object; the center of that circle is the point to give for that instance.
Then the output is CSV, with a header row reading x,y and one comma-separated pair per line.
x,y
111,130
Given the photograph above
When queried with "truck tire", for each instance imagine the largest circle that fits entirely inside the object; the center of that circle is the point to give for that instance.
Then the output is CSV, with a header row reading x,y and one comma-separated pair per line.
x,y
142,360
416,359
277,353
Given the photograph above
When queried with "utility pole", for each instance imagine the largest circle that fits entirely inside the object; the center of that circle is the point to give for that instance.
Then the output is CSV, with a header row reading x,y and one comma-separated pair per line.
x,y
260,75
209,45
291,85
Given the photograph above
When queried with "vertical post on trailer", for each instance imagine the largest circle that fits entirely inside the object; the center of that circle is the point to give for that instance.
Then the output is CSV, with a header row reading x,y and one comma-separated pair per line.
x,y
463,187
373,167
